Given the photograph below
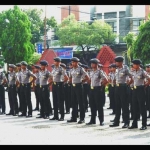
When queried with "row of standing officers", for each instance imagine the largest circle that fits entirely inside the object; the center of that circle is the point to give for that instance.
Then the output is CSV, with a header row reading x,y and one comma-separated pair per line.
x,y
126,88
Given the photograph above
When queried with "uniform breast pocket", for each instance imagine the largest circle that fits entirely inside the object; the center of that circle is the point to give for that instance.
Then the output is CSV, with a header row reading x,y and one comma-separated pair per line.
x,y
121,74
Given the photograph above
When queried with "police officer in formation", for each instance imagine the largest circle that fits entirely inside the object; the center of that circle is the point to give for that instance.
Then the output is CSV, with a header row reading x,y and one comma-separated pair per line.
x,y
25,85
3,81
75,77
96,101
12,93
44,94
57,89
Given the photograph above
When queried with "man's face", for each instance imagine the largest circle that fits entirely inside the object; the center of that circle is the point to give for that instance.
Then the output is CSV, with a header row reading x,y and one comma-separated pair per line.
x,y
135,66
118,63
43,67
56,63
19,68
36,70
10,69
147,69
93,65
23,67
74,64
70,66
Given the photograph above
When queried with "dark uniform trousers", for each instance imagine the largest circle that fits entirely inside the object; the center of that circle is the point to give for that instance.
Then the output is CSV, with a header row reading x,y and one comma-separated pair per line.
x,y
85,95
69,95
96,103
139,99
58,99
2,98
112,98
26,98
37,92
148,99
103,94
66,97
12,95
77,99
122,102
20,100
45,103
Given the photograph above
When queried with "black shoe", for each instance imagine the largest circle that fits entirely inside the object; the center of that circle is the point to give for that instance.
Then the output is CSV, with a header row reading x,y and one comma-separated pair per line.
x,y
28,116
112,120
77,116
22,115
40,116
112,113
86,110
109,108
89,115
133,127
122,122
36,109
148,116
148,124
81,121
138,119
143,128
61,119
15,114
90,123
50,114
126,125
101,123
46,117
72,120
9,114
131,118
114,125
54,118
2,113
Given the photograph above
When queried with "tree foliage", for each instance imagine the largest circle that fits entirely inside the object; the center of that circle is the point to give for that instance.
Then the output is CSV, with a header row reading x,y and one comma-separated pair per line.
x,y
15,31
85,35
35,58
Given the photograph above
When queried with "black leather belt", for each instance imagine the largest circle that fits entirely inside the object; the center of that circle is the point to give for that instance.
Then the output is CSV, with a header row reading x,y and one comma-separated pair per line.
x,y
95,87
25,84
43,86
140,86
57,83
121,84
76,84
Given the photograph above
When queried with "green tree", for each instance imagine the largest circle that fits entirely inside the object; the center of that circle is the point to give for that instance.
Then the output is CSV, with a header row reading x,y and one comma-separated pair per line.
x,y
130,39
85,35
15,36
141,46
35,58
36,23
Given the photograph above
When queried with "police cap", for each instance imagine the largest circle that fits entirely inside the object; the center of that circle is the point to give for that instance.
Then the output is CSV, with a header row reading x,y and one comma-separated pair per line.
x,y
63,65
136,61
112,66
18,64
37,66
75,59
147,65
85,66
141,66
95,61
100,65
57,59
12,66
119,59
24,63
44,63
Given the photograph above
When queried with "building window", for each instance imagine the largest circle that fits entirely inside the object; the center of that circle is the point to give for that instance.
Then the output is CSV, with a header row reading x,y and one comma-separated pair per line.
x,y
136,24
113,25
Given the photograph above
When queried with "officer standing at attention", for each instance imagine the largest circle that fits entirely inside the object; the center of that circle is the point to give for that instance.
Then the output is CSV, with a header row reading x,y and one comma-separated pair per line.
x,y
20,107
75,78
44,94
37,86
12,93
25,84
122,72
65,91
3,80
111,79
139,97
57,89
97,78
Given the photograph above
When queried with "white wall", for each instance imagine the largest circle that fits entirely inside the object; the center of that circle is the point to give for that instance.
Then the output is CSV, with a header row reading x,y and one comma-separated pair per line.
x,y
138,10
85,12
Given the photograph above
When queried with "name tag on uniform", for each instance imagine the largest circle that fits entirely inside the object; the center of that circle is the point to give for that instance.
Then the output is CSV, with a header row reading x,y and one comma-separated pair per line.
x,y
92,87
73,84
134,87
54,83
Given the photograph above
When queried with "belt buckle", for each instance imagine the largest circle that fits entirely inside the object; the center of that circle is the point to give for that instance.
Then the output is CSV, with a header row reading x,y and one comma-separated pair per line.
x,y
92,87
73,84
40,86
22,84
135,87
35,84
54,83
112,85
131,88
117,84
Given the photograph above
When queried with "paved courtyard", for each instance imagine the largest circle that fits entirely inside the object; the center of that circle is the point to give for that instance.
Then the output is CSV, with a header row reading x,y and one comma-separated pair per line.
x,y
32,131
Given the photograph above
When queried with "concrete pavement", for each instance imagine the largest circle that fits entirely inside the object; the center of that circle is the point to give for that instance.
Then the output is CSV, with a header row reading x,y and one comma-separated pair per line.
x,y
32,131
